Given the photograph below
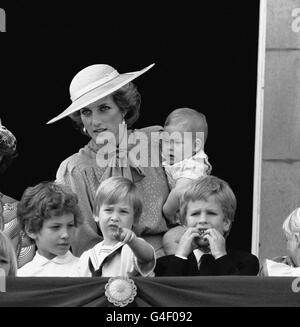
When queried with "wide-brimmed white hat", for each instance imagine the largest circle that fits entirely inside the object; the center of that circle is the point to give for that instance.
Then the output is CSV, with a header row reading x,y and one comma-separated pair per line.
x,y
93,83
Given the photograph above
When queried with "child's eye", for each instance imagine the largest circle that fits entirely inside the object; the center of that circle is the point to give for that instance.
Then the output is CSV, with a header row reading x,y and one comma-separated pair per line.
x,y
212,213
196,213
124,211
54,227
108,210
71,225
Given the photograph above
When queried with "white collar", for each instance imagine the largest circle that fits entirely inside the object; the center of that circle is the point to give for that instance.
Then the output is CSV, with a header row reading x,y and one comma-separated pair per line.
x,y
199,155
99,247
60,259
198,255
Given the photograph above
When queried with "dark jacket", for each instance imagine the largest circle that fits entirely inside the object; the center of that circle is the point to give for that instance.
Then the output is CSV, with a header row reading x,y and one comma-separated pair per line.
x,y
233,263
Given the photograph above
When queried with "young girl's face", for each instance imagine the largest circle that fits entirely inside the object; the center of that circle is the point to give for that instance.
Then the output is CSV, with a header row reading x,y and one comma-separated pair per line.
x,y
55,236
176,144
113,216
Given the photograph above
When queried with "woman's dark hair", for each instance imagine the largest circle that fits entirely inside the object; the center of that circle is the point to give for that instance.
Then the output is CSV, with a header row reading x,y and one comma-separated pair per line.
x,y
6,161
127,98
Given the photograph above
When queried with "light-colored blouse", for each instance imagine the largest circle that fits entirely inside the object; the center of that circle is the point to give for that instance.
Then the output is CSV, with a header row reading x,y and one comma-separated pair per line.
x,y
24,246
82,174
192,168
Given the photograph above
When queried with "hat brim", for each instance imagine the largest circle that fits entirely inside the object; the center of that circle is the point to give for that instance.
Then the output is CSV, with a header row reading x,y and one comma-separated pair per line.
x,y
99,93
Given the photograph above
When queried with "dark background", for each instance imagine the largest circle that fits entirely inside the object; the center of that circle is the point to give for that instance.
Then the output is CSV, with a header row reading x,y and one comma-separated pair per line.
x,y
206,59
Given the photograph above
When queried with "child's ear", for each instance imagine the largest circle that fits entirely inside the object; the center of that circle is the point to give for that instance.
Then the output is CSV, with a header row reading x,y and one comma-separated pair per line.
x,y
96,218
297,238
30,234
226,225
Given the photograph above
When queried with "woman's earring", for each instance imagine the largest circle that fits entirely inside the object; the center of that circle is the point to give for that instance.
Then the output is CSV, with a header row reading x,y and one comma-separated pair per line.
x,y
84,130
123,121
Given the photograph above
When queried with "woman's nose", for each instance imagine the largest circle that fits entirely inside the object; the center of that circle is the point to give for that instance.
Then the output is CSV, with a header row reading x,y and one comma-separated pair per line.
x,y
96,120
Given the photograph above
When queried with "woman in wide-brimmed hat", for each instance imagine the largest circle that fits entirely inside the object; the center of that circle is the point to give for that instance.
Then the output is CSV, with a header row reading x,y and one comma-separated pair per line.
x,y
24,246
104,104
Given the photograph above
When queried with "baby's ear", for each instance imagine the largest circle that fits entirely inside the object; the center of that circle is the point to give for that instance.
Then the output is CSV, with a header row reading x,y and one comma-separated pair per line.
x,y
198,144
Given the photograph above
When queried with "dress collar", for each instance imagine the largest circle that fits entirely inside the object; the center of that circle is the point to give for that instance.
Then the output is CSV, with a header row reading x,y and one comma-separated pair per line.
x,y
199,155
119,162
60,259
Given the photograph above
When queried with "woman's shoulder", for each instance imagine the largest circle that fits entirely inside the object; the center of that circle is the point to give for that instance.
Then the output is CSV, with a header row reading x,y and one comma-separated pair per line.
x,y
76,161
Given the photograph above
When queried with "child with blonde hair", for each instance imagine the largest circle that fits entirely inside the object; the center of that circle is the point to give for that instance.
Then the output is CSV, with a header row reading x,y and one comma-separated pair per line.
x,y
207,210
8,260
184,160
121,253
288,265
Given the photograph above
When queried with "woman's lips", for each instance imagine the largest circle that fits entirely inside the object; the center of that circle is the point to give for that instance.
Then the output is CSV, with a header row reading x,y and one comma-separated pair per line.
x,y
100,130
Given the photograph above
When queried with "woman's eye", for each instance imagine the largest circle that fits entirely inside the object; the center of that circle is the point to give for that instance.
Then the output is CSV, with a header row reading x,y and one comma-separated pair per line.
x,y
103,108
85,112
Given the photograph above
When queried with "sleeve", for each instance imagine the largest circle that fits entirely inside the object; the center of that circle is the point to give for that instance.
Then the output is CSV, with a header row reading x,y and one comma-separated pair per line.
x,y
86,235
170,265
82,268
145,270
246,264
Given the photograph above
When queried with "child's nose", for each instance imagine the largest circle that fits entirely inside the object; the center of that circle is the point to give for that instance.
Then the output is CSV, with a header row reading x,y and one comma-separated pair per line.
x,y
202,219
115,216
65,233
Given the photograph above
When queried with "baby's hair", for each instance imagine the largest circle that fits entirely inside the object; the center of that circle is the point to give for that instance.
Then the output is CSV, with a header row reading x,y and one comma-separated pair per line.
x,y
191,120
44,201
7,251
116,189
291,224
202,189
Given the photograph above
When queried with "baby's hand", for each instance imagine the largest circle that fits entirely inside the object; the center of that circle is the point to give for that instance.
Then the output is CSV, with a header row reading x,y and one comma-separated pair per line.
x,y
124,235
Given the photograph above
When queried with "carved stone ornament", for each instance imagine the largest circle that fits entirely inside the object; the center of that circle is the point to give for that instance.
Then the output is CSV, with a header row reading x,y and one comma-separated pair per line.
x,y
120,291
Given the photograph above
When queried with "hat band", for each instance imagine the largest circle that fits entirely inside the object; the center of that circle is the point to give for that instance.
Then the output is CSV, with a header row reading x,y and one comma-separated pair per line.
x,y
94,85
